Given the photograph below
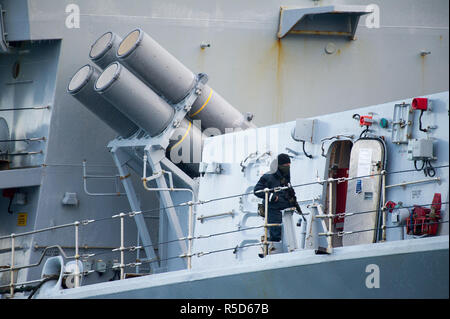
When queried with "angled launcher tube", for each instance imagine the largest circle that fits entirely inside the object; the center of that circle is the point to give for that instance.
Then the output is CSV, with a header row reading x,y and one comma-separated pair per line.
x,y
170,78
152,114
103,50
215,112
81,87
155,66
134,99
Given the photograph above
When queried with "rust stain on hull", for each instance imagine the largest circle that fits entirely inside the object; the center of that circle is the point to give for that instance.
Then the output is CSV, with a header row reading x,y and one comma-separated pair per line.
x,y
422,60
279,85
201,60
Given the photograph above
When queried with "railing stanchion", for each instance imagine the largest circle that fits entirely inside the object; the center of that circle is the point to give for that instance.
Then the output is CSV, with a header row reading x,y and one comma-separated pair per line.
x,y
384,210
77,255
12,265
190,235
266,213
330,217
122,240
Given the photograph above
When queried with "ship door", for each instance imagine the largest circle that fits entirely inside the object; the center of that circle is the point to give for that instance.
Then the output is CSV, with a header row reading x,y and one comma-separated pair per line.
x,y
363,191
338,159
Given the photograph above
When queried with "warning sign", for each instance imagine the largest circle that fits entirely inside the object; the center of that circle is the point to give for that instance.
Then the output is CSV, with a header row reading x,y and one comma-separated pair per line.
x,y
22,219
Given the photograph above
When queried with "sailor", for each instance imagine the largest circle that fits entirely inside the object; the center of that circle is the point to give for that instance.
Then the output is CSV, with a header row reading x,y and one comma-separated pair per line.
x,y
277,200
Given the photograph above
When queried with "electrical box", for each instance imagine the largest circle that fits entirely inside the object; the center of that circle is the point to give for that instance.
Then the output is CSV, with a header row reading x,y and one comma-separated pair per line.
x,y
420,149
303,130
100,266
366,120
70,199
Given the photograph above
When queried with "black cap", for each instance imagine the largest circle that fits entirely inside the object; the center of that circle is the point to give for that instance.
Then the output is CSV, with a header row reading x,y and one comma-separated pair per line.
x,y
283,159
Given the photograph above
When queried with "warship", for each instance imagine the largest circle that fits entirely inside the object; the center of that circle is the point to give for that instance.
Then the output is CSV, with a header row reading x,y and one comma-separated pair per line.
x,y
133,133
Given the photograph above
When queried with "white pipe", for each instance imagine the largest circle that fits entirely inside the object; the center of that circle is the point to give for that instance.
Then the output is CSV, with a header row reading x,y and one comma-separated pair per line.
x,y
169,189
170,178
85,177
159,174
154,176
201,218
435,179
144,169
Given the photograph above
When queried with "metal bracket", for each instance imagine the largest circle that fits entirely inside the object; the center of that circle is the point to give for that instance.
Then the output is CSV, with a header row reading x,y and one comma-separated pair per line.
x,y
210,168
140,139
154,150
402,123
334,20
86,177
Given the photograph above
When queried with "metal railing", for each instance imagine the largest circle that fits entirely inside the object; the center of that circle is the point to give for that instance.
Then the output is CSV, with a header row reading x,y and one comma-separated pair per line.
x,y
12,269
190,238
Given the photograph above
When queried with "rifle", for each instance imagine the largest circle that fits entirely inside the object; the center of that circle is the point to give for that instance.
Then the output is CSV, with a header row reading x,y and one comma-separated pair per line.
x,y
293,201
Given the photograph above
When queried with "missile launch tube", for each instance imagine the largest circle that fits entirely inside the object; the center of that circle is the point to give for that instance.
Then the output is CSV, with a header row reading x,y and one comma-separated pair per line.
x,y
157,67
103,51
215,112
134,99
170,78
81,87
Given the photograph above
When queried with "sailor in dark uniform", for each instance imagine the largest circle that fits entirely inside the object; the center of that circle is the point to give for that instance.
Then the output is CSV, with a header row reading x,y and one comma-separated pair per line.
x,y
279,200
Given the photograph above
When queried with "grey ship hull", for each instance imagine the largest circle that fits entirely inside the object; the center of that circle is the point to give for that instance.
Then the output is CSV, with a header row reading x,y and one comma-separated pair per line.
x,y
402,268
